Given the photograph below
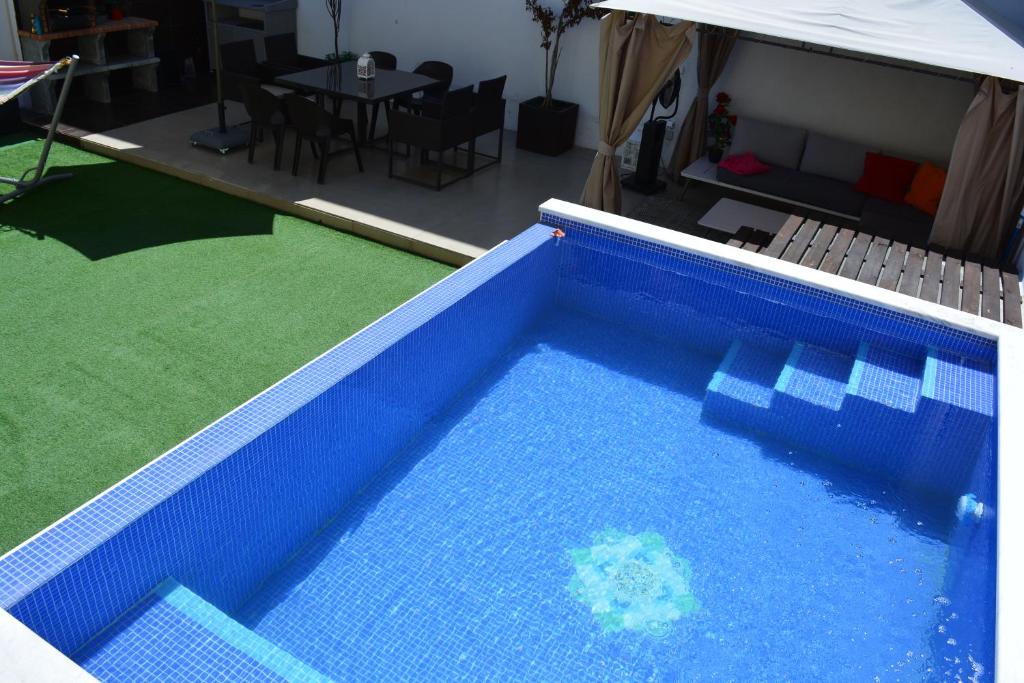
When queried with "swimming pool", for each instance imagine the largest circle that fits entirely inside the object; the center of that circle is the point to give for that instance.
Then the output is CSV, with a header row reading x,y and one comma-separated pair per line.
x,y
601,451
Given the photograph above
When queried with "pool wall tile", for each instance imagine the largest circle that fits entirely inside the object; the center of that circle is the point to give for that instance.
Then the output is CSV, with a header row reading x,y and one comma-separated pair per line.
x,y
651,286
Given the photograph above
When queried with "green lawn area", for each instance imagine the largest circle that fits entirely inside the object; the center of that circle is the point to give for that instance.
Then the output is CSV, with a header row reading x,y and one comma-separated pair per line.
x,y
137,308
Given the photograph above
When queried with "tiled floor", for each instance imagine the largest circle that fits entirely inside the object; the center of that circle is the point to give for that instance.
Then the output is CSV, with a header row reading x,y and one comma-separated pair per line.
x,y
454,225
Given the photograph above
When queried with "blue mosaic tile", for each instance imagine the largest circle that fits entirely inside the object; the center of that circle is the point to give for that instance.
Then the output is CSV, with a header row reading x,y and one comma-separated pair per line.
x,y
891,379
748,296
816,375
174,635
959,381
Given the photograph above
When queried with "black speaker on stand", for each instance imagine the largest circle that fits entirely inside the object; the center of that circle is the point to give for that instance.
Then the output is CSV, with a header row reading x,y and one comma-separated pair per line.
x,y
645,179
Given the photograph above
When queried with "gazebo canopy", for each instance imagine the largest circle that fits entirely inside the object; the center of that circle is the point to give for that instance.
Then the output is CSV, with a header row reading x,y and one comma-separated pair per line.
x,y
944,33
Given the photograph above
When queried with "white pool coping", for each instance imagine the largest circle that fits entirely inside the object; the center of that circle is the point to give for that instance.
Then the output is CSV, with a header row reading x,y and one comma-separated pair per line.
x,y
27,658
1009,396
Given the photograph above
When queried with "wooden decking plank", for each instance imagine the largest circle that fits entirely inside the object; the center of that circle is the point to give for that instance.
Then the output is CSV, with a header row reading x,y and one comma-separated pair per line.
x,y
872,267
951,280
819,247
991,298
972,288
855,255
834,258
932,277
1011,299
801,239
783,236
893,266
740,238
911,282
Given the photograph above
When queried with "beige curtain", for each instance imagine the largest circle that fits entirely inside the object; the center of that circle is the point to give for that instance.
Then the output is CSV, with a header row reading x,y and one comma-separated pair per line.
x,y
985,184
636,57
713,50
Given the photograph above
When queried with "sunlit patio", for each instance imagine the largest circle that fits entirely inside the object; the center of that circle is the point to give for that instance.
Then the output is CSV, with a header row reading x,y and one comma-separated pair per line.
x,y
454,225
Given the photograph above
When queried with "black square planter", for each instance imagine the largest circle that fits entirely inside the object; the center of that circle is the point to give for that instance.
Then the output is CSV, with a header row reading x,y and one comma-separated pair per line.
x,y
550,130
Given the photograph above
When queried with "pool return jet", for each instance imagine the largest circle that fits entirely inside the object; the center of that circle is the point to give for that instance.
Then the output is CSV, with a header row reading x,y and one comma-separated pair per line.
x,y
15,79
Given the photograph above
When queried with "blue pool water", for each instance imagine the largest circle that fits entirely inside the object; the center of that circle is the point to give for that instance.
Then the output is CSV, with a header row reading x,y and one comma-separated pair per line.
x,y
456,561
589,458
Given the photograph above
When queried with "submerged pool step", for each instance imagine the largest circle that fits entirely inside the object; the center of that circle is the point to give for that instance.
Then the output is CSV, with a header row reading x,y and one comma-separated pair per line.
x,y
889,379
919,419
742,389
172,634
815,376
956,412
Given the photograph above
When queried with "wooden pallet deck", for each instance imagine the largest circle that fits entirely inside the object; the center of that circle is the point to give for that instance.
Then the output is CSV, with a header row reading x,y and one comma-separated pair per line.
x,y
930,275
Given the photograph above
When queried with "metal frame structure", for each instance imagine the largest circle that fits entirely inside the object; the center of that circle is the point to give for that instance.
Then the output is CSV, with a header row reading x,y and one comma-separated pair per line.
x,y
33,178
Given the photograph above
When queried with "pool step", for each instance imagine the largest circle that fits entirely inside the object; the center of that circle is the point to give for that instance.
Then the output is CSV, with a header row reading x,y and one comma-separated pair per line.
x,y
957,408
173,634
918,419
742,389
885,378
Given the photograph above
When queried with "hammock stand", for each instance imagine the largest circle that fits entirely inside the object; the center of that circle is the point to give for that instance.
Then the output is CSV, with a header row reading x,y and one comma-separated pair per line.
x,y
16,78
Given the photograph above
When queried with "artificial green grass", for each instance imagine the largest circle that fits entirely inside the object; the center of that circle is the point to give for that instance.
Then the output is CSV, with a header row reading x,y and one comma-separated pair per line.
x,y
136,308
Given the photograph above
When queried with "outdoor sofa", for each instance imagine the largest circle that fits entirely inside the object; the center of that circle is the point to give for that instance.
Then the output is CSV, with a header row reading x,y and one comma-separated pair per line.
x,y
819,171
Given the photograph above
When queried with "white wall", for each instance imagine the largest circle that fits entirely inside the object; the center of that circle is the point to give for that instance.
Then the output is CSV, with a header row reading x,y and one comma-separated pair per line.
x,y
900,112
480,38
9,46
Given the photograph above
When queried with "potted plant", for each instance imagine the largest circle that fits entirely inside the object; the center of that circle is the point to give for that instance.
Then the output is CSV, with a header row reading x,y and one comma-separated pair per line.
x,y
547,125
720,125
334,12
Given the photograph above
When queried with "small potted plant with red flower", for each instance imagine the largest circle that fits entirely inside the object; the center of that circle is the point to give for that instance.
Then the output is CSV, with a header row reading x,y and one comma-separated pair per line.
x,y
720,127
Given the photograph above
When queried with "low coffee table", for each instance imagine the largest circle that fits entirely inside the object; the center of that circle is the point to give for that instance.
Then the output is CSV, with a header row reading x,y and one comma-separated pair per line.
x,y
729,215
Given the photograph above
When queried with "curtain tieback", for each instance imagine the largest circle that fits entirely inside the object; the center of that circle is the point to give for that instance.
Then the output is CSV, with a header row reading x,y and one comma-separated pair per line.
x,y
605,149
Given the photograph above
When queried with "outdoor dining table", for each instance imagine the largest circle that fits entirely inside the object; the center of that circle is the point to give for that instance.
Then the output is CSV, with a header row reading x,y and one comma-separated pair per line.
x,y
339,82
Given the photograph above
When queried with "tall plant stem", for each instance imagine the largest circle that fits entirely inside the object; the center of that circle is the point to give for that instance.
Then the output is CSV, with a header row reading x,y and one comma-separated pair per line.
x,y
552,67
547,77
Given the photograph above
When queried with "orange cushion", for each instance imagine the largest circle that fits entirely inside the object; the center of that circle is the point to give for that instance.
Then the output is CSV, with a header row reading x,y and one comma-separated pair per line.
x,y
926,189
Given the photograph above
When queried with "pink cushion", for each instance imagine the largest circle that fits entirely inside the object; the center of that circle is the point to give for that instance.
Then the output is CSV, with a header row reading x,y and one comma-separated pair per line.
x,y
744,164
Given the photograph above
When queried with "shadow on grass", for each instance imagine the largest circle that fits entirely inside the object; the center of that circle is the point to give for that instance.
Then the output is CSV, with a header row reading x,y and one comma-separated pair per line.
x,y
109,208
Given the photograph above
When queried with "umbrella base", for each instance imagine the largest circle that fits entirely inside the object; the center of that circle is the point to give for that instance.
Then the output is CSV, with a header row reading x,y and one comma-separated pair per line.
x,y
223,141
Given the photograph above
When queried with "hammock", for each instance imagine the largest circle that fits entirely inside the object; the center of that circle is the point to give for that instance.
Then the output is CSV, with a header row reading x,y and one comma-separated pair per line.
x,y
16,78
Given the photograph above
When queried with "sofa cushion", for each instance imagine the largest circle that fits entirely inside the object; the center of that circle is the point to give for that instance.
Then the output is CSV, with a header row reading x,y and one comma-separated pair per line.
x,y
886,177
833,158
926,188
772,143
828,193
744,164
895,220
776,181
814,190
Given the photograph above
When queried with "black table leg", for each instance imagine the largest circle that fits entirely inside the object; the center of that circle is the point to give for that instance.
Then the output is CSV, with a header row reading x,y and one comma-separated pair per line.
x,y
361,122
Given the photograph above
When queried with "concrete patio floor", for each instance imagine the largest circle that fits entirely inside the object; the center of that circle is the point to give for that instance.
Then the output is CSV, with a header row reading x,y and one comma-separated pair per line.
x,y
454,225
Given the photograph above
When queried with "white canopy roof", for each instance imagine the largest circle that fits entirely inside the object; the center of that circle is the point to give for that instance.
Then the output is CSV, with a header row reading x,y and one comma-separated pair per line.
x,y
945,33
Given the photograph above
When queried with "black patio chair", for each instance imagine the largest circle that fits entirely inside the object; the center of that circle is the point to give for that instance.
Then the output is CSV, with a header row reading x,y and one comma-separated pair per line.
x,y
314,124
489,116
266,112
439,71
449,125
385,61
